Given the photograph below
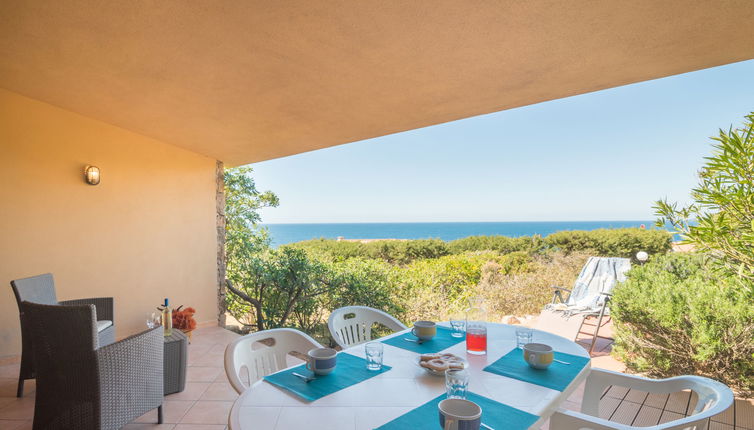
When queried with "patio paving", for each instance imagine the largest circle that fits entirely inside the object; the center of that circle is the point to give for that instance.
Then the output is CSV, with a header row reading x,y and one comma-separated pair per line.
x,y
208,397
203,405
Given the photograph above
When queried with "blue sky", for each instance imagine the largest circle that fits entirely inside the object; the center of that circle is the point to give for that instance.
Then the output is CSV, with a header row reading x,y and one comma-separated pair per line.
x,y
606,155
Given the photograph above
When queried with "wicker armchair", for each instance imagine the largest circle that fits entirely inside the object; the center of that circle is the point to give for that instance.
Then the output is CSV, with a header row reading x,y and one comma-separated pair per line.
x,y
41,289
83,386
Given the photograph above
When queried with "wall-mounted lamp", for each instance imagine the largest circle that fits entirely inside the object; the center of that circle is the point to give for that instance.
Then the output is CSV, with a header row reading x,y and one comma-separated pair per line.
x,y
91,175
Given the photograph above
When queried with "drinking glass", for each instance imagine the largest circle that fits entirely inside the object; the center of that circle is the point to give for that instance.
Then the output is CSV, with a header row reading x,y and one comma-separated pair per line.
x,y
456,383
524,335
374,352
476,331
153,319
457,323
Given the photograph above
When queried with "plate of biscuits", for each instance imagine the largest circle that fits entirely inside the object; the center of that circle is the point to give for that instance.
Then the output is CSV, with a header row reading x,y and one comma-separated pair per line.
x,y
437,364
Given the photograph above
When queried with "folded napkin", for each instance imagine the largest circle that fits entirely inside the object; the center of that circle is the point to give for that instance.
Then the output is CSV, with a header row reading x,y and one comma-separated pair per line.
x,y
557,377
442,340
494,414
350,370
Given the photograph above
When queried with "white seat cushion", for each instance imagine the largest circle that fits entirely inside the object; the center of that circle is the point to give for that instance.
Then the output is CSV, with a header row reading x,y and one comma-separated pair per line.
x,y
103,324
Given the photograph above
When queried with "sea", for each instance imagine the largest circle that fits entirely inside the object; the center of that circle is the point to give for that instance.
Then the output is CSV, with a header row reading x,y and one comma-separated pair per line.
x,y
282,234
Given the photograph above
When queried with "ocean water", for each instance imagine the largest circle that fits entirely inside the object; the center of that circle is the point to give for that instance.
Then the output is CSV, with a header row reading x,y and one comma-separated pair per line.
x,y
289,233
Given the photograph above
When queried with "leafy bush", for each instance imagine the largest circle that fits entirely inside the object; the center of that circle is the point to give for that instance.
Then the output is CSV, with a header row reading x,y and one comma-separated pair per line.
x,y
437,288
525,289
501,244
406,251
674,316
391,251
290,288
622,242
357,281
331,249
268,287
720,221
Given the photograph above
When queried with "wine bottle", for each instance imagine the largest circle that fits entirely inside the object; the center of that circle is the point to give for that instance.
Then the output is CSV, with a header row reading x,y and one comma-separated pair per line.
x,y
167,319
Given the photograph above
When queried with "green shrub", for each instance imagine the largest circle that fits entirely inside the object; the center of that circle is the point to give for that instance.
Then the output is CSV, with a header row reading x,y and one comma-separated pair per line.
x,y
674,316
437,288
525,289
357,281
406,251
501,244
331,249
622,242
391,251
605,242
720,221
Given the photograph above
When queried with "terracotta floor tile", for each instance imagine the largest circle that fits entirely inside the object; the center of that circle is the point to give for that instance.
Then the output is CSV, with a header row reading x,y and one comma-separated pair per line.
x,y
194,350
5,401
15,425
8,387
222,377
18,409
208,359
220,391
172,412
139,426
208,412
199,427
202,373
193,391
9,371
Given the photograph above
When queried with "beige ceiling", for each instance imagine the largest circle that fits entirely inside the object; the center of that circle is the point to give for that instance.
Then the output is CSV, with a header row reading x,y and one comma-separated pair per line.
x,y
244,81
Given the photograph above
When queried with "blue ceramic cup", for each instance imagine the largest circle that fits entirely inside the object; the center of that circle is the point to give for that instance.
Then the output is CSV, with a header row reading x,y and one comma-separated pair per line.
x,y
459,414
321,361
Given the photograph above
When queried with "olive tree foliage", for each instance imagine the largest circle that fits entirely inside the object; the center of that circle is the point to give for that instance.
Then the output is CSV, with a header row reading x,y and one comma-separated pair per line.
x,y
244,238
720,221
242,203
269,286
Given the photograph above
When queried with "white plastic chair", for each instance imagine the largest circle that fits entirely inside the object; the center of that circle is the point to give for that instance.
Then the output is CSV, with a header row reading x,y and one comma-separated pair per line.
x,y
352,325
261,360
714,398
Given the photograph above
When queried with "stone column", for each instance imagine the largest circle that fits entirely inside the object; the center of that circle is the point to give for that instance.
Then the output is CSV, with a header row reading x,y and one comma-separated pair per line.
x,y
220,225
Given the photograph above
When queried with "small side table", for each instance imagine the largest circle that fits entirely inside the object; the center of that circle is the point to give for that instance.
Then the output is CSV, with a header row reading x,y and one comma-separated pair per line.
x,y
174,362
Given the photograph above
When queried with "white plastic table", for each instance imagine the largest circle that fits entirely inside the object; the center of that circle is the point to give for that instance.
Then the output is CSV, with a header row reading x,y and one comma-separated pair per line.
x,y
380,399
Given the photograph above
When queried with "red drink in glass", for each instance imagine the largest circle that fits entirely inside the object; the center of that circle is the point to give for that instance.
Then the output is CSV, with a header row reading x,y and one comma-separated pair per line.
x,y
476,340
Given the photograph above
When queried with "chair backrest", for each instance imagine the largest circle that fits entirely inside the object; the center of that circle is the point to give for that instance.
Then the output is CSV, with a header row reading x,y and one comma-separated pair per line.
x,y
714,398
65,340
259,358
35,289
599,275
61,333
352,325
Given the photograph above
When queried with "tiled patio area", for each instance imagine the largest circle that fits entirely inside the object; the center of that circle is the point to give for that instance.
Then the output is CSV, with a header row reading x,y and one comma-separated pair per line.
x,y
203,405
208,397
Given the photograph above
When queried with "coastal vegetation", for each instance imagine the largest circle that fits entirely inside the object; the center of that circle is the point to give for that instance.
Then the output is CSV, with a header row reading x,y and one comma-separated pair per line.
x,y
690,313
624,242
694,313
298,285
676,316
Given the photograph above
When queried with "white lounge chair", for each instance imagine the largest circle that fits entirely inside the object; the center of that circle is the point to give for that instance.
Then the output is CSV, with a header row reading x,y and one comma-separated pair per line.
x,y
260,359
352,325
589,297
714,398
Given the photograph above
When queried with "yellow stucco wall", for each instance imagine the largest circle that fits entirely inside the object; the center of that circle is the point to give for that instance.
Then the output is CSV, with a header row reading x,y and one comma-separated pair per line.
x,y
145,233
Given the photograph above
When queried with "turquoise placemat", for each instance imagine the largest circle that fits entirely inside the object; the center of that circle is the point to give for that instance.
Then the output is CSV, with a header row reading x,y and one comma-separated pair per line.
x,y
350,370
557,377
442,340
494,414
